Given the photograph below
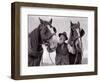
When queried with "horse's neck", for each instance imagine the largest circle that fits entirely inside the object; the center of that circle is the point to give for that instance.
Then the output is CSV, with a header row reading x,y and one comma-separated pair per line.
x,y
35,38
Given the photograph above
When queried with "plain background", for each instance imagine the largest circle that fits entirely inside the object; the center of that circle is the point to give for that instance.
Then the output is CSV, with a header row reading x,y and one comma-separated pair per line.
x,y
5,40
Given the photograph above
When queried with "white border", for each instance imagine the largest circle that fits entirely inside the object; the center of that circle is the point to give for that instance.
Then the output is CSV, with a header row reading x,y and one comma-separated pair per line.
x,y
25,70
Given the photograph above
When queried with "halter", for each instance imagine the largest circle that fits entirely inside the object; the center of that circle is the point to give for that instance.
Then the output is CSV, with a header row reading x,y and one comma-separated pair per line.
x,y
48,45
49,52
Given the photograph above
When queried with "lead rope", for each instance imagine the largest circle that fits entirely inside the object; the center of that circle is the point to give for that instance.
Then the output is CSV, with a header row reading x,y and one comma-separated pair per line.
x,y
76,54
51,59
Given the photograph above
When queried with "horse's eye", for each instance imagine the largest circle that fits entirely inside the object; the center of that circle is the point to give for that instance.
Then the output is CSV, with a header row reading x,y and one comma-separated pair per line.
x,y
54,29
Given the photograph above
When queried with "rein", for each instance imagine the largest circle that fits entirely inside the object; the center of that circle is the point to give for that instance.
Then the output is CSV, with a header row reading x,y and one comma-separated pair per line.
x,y
51,59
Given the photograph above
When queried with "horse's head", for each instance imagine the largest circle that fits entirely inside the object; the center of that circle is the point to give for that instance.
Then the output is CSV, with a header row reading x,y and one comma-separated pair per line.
x,y
76,32
48,33
75,29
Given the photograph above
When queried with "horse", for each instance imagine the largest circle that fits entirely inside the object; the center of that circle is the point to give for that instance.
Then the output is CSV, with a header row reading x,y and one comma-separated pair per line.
x,y
43,34
75,41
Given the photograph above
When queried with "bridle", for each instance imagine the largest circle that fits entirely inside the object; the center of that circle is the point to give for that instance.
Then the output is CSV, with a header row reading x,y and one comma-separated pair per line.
x,y
49,50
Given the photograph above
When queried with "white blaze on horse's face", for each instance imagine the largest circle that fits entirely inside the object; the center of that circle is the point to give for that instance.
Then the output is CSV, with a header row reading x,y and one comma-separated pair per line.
x,y
78,31
78,42
53,42
51,29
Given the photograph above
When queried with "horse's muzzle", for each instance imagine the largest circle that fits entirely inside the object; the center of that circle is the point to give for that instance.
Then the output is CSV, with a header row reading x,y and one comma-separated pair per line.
x,y
51,49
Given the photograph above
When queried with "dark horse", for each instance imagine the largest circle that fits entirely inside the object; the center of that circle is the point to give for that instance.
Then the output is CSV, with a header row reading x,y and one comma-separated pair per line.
x,y
43,34
75,41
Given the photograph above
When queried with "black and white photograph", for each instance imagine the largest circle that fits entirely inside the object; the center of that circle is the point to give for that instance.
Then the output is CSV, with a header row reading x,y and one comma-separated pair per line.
x,y
50,40
57,40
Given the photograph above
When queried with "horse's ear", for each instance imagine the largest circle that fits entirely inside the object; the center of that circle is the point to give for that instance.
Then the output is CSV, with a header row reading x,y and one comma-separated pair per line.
x,y
41,21
71,23
78,23
50,21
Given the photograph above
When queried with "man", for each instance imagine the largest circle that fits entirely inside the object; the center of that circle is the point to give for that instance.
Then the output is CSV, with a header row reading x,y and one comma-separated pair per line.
x,y
62,53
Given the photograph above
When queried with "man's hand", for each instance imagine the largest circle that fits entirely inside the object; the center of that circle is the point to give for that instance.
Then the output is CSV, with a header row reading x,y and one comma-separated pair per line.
x,y
71,49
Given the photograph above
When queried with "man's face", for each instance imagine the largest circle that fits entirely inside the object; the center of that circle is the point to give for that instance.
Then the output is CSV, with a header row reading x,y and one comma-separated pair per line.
x,y
62,39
